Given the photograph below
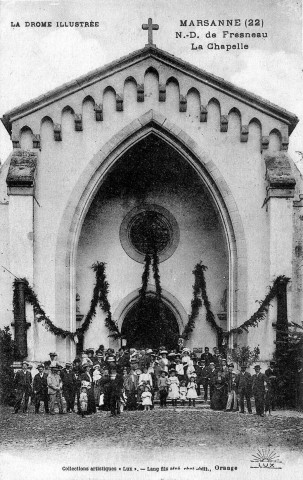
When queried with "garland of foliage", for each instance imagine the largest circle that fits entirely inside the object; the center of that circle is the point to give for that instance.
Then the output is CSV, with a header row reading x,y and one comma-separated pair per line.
x,y
100,294
260,314
199,288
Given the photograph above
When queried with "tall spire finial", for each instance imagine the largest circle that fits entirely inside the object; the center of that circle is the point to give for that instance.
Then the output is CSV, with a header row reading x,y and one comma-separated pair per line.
x,y
150,26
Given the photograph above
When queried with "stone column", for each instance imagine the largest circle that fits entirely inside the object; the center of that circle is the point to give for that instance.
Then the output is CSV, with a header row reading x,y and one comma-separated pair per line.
x,y
279,202
21,186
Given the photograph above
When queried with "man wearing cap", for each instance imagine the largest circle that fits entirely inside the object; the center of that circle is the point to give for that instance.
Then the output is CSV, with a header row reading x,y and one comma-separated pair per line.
x,y
259,389
22,384
243,382
40,389
69,387
54,384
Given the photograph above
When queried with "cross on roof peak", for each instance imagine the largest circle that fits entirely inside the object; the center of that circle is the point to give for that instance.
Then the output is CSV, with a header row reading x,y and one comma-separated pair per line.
x,y
150,26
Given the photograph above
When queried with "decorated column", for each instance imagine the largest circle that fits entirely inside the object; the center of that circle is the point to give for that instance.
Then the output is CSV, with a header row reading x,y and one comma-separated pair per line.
x,y
21,187
280,193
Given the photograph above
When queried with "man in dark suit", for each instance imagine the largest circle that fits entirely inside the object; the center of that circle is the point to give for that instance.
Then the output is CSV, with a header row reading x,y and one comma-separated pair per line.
x,y
243,382
40,389
23,386
206,356
272,375
204,378
259,388
69,387
212,377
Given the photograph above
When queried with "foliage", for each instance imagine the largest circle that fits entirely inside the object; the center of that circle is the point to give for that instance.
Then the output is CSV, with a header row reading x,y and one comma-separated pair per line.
x,y
7,354
261,313
151,323
199,288
243,355
290,369
100,296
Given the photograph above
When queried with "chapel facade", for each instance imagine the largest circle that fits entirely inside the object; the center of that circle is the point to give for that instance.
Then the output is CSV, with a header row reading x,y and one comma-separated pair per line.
x,y
149,146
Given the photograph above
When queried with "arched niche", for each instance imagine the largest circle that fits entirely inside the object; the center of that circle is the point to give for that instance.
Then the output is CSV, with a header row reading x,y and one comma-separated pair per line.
x,y
109,102
151,84
173,94
193,105
129,93
26,138
213,115
234,124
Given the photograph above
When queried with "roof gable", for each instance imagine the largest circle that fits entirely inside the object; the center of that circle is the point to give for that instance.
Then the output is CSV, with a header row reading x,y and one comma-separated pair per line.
x,y
152,52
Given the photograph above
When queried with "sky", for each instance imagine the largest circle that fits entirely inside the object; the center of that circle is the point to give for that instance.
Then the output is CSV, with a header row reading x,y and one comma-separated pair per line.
x,y
35,60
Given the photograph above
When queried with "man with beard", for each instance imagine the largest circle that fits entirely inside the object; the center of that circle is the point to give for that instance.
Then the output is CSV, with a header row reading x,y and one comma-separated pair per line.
x,y
40,389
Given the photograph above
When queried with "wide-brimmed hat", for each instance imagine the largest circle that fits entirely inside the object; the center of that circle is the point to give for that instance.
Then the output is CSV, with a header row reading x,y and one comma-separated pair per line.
x,y
163,351
193,375
149,350
53,354
96,366
87,365
172,370
40,365
111,359
257,367
68,364
90,350
231,365
164,371
25,363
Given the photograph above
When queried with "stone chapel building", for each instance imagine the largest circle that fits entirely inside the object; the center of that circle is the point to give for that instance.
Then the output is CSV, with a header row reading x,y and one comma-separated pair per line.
x,y
152,139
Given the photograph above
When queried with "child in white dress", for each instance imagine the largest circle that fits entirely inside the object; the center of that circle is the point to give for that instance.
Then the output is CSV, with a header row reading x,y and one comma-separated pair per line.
x,y
146,398
192,390
183,392
83,399
173,388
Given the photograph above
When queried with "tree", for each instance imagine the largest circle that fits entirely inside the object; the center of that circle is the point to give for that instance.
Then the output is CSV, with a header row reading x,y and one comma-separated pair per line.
x,y
7,355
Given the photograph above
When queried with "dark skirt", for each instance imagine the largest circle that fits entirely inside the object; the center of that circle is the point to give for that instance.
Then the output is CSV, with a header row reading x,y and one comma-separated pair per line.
x,y
218,399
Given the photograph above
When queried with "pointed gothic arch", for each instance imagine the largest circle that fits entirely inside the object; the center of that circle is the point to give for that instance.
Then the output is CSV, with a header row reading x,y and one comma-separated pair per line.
x,y
94,175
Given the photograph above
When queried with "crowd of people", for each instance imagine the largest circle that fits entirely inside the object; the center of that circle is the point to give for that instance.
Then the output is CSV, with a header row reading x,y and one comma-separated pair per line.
x,y
131,379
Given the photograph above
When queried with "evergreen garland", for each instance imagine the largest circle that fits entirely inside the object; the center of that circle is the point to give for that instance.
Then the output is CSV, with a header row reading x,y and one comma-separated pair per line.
x,y
199,287
260,314
99,296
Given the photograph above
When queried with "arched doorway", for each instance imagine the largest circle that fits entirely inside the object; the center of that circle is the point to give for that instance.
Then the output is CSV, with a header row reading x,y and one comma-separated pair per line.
x,y
144,327
94,177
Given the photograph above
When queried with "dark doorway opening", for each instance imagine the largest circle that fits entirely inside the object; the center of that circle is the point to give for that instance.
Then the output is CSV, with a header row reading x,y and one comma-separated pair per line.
x,y
146,329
